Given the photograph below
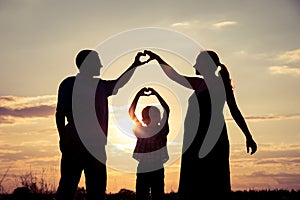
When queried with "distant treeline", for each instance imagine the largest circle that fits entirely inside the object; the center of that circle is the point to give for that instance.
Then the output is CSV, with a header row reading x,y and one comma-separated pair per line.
x,y
24,193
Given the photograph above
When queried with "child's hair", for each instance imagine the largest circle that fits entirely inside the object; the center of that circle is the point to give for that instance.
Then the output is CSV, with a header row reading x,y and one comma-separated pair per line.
x,y
149,113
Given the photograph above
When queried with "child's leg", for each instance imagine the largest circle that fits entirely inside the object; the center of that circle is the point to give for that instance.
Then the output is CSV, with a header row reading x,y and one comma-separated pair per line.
x,y
157,184
142,186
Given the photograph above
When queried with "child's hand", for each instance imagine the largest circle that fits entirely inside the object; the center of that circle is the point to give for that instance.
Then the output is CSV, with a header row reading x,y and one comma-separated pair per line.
x,y
147,91
152,91
144,92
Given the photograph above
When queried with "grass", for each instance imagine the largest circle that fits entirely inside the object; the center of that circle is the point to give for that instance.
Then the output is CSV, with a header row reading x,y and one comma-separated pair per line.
x,y
33,188
25,194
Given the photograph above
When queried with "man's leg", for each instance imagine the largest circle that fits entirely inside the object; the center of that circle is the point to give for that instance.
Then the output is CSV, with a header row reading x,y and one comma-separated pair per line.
x,y
70,170
95,178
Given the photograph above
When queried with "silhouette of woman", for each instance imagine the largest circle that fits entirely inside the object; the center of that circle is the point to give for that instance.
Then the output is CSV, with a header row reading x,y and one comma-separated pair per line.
x,y
208,175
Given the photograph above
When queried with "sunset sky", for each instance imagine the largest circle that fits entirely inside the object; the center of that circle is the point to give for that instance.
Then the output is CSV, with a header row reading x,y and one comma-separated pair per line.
x,y
257,40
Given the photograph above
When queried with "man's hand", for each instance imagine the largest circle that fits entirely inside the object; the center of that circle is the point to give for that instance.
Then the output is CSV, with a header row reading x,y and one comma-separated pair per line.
x,y
137,60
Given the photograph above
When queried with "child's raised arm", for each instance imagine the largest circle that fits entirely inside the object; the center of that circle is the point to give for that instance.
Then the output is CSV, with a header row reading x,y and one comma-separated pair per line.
x,y
134,104
164,104
161,100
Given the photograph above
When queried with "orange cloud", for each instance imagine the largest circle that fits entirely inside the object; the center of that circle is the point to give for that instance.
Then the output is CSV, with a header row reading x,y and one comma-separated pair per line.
x,y
25,107
34,111
269,117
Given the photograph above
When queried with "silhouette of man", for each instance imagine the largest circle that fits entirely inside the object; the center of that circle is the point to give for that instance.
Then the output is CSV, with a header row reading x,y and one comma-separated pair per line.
x,y
75,155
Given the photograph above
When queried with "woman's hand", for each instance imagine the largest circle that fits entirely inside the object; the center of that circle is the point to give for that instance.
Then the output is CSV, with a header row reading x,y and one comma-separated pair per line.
x,y
250,143
153,56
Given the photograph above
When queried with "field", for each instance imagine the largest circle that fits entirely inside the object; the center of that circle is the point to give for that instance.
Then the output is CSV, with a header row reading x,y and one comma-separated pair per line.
x,y
33,188
124,194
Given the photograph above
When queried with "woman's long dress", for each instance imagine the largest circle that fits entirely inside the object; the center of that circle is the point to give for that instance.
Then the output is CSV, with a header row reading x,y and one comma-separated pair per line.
x,y
208,176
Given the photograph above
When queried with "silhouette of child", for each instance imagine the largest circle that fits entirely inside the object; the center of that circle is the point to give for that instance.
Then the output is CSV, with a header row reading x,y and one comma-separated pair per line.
x,y
150,150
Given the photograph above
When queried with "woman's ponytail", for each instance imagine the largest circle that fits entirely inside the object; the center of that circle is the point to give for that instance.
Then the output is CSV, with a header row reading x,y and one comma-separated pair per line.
x,y
225,76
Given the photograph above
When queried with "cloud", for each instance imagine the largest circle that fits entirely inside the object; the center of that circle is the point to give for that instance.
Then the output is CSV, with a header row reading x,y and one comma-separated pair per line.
x,y
25,107
10,153
265,174
224,24
288,161
284,69
203,24
287,57
20,101
241,53
267,162
6,98
272,167
181,24
6,120
269,154
284,179
293,154
35,111
269,117
290,56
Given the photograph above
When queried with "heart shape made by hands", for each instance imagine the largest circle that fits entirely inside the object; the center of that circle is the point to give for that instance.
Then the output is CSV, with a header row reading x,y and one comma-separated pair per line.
x,y
144,58
147,92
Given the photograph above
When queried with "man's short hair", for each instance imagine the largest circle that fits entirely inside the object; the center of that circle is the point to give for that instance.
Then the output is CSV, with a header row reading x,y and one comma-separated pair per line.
x,y
82,55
